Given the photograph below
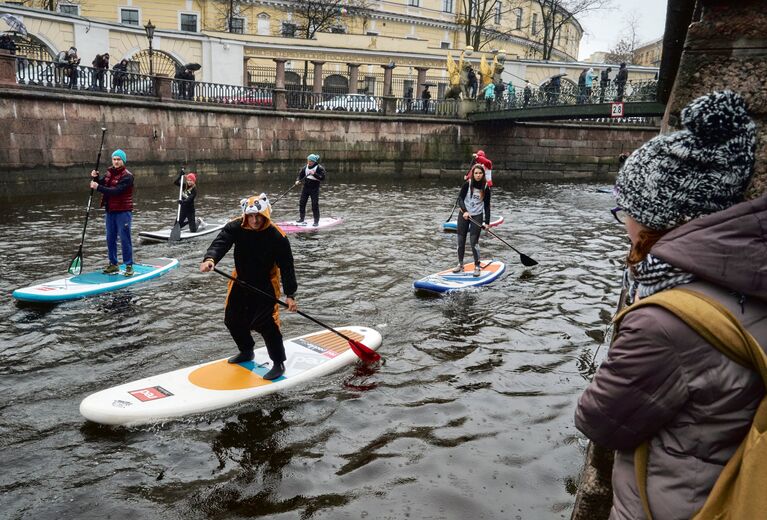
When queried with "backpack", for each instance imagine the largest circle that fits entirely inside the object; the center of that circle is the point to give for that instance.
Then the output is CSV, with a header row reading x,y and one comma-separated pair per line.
x,y
738,492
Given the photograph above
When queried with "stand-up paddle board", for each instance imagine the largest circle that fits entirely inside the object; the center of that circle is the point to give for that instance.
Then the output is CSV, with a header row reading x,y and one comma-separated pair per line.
x,y
453,226
293,226
448,281
163,235
218,384
93,282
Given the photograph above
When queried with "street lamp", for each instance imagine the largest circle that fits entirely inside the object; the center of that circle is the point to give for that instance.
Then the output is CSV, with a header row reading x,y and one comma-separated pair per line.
x,y
149,28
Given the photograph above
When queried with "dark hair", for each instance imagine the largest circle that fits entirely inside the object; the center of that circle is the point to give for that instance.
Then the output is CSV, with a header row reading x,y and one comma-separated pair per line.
x,y
479,186
646,239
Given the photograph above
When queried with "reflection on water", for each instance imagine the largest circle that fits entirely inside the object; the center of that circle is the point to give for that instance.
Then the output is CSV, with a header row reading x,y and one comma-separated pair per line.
x,y
468,416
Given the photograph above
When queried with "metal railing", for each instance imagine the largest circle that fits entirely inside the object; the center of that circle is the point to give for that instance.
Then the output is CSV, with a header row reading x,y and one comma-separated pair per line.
x,y
53,74
433,107
570,95
217,93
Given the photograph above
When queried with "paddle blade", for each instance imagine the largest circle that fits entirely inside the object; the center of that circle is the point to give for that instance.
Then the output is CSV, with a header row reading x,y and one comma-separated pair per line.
x,y
175,234
527,261
76,266
365,353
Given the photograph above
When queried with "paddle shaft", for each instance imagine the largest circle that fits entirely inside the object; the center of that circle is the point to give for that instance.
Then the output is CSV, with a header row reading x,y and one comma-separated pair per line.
x,y
90,197
525,259
284,304
286,192
180,194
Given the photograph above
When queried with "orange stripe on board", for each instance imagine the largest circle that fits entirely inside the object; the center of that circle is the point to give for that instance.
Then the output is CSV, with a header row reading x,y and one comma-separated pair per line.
x,y
223,375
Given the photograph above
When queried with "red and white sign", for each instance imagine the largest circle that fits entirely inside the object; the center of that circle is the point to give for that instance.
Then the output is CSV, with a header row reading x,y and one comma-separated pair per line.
x,y
616,109
150,394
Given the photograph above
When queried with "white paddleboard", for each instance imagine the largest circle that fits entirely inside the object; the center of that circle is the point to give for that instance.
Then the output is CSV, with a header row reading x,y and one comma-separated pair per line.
x,y
218,384
163,235
447,281
293,226
93,282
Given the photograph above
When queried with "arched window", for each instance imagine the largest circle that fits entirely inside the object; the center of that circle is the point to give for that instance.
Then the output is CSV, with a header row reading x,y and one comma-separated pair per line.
x,y
336,84
263,24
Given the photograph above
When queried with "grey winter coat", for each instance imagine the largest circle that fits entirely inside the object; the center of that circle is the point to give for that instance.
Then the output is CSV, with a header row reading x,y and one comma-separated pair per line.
x,y
661,381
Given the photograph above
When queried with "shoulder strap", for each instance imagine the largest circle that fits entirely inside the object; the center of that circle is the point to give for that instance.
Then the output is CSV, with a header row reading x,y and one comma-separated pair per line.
x,y
714,323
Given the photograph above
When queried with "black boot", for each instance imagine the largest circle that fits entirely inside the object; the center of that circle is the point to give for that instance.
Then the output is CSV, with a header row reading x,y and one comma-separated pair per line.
x,y
277,370
242,357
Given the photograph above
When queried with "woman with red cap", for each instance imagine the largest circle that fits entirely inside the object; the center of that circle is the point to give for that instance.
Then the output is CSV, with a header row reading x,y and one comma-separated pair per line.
x,y
487,164
187,201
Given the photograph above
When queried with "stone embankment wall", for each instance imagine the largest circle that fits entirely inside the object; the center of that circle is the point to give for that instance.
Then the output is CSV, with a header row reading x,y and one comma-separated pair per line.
x,y
49,141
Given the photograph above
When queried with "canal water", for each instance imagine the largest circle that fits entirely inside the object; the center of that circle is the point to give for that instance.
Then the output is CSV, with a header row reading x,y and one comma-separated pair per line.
x,y
469,416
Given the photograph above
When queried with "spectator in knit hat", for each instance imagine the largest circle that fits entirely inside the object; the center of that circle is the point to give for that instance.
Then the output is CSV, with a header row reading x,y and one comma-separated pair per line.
x,y
681,199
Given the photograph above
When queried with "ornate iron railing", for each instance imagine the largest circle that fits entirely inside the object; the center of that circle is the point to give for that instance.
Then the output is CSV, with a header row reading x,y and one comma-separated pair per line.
x,y
53,74
217,93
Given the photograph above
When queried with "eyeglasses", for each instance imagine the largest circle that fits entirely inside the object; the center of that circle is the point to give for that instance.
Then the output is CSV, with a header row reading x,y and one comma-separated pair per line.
x,y
619,214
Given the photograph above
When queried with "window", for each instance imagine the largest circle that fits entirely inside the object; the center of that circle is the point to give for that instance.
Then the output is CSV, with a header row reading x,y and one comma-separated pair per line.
x,y
413,3
518,15
238,25
338,29
534,25
372,33
497,19
370,85
263,24
447,6
288,29
189,22
444,45
69,9
128,16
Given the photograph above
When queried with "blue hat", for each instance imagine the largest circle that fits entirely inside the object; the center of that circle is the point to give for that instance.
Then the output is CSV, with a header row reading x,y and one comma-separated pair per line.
x,y
119,153
313,157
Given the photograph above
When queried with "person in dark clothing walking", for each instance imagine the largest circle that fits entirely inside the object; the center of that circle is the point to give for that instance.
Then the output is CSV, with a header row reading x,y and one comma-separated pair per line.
x,y
187,201
312,175
620,81
474,201
409,99
604,82
472,77
116,187
262,258
526,93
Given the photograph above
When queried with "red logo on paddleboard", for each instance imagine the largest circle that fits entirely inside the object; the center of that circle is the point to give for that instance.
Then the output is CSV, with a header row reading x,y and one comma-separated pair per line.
x,y
150,394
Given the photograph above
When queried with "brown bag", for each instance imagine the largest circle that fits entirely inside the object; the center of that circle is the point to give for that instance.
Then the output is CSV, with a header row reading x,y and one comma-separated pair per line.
x,y
739,492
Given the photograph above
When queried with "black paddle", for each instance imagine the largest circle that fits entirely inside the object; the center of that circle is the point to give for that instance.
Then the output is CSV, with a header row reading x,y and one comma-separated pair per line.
x,y
76,265
175,233
455,205
526,260
286,192
365,353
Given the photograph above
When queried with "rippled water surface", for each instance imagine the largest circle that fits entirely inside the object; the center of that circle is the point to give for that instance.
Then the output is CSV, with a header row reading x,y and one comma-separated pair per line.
x,y
469,416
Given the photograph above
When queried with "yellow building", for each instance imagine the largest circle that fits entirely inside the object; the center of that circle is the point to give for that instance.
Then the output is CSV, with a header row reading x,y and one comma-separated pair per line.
x,y
239,48
649,54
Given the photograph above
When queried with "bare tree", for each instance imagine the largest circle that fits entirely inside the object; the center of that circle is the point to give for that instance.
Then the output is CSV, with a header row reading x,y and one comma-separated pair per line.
x,y
555,15
624,50
480,21
313,16
225,13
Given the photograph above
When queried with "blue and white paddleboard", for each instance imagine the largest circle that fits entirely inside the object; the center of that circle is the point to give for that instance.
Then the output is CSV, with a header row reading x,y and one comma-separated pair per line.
x,y
93,282
163,235
448,281
453,226
218,384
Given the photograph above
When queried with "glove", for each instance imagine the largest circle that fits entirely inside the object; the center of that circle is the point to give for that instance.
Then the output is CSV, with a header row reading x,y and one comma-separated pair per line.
x,y
180,201
298,182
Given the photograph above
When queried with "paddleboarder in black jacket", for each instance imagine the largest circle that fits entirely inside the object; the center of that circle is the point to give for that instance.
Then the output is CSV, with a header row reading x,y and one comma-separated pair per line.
x,y
474,201
262,258
187,201
312,175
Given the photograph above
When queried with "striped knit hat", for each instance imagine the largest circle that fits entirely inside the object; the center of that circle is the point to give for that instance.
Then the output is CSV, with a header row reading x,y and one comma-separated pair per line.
x,y
702,169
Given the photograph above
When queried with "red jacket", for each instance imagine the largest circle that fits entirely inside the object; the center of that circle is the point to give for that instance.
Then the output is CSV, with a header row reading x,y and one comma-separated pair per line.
x,y
117,190
484,161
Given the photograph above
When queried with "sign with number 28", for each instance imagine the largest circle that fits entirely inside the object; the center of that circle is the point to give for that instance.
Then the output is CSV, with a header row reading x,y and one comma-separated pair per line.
x,y
616,109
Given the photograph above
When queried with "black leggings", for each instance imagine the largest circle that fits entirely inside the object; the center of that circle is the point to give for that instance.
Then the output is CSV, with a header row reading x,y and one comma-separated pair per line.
x,y
245,313
315,195
187,217
474,230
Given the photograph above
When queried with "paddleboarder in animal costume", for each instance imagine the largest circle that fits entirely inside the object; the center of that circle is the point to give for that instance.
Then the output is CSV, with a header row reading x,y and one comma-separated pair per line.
x,y
262,258
312,175
116,187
